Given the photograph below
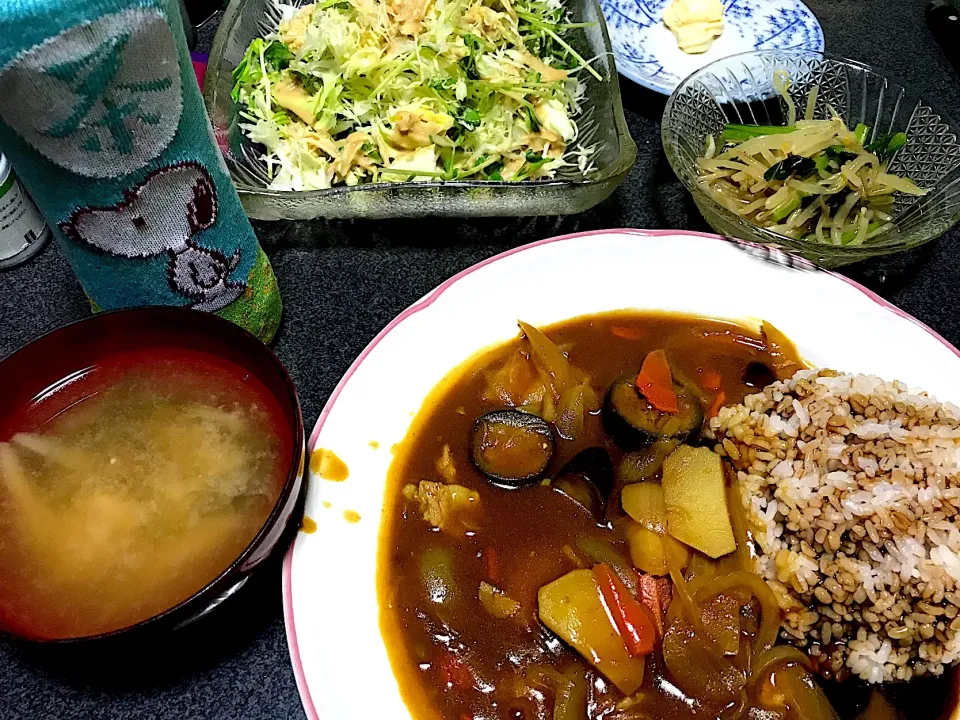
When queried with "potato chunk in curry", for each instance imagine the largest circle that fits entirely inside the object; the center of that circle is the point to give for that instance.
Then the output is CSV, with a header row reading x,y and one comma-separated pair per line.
x,y
573,607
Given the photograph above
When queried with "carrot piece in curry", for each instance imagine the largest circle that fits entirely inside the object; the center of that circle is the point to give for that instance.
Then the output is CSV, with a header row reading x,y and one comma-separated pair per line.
x,y
655,381
711,380
633,620
493,565
455,672
627,333
718,400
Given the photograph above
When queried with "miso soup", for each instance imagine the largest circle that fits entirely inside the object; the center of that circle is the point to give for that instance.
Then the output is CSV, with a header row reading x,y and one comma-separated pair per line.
x,y
130,488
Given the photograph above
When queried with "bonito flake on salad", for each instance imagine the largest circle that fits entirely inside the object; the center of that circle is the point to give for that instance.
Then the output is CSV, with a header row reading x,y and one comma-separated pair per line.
x,y
359,91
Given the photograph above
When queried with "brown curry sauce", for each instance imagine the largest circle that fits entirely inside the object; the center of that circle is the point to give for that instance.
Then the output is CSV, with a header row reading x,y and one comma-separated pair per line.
x,y
452,659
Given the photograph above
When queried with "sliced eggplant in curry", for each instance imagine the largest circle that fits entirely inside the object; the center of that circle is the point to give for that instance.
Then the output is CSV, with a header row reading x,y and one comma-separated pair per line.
x,y
512,448
634,422
588,480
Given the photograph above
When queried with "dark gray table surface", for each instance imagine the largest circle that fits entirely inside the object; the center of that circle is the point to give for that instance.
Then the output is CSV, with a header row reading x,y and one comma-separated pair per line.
x,y
341,283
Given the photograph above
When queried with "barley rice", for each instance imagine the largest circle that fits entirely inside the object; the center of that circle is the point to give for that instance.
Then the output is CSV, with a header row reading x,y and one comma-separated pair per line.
x,y
852,486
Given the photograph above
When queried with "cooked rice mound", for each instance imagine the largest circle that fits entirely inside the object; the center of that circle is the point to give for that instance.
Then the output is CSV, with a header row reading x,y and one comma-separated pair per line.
x,y
852,490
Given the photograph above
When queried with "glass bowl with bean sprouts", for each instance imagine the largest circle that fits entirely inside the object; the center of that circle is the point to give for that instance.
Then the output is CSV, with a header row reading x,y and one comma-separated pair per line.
x,y
822,156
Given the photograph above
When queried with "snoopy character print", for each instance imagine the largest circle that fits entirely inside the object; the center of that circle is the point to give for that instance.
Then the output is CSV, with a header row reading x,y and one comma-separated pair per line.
x,y
161,216
102,117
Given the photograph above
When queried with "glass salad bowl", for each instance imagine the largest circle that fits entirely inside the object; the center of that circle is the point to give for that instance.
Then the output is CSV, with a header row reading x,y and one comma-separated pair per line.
x,y
739,90
602,123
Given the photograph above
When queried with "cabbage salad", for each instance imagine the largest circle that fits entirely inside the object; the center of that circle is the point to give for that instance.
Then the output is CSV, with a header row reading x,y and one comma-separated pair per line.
x,y
361,91
815,180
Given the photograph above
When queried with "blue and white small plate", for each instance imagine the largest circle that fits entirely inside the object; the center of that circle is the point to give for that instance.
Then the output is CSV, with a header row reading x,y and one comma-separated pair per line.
x,y
647,52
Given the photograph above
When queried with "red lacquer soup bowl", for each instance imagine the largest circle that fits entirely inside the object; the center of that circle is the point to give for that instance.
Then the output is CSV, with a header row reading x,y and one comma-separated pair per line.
x,y
150,461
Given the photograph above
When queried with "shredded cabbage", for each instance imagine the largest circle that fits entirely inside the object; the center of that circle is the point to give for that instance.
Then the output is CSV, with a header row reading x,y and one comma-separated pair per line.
x,y
359,91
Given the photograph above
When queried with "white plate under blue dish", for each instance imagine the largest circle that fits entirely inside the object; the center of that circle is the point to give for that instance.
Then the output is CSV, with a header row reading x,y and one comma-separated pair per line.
x,y
647,52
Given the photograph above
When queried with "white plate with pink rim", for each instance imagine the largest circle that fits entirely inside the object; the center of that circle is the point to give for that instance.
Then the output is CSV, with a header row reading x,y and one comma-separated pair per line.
x,y
329,576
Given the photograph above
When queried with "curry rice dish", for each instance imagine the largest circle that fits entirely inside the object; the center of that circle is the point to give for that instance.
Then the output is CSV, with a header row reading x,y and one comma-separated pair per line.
x,y
641,515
